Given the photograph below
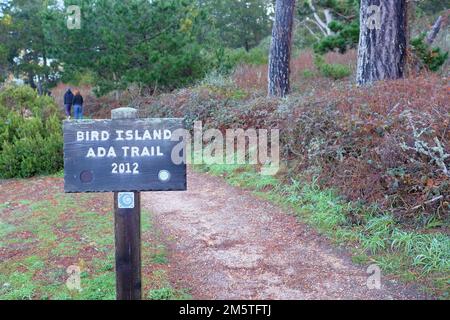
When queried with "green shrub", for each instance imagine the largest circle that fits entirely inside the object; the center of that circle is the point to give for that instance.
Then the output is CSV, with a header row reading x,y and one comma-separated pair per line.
x,y
308,74
78,77
346,37
226,60
334,71
168,293
431,58
31,140
161,294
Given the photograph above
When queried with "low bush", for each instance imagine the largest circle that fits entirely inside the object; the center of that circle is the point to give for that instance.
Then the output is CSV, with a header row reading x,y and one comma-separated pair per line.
x,y
334,71
346,37
308,74
31,141
430,58
385,145
229,59
254,77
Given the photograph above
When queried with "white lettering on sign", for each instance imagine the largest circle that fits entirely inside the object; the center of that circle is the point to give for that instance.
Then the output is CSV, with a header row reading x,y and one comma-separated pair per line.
x,y
101,153
126,151
122,168
146,135
92,136
135,152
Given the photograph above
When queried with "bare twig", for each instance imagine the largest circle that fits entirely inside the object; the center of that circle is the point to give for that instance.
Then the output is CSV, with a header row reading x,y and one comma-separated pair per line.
x,y
428,202
437,154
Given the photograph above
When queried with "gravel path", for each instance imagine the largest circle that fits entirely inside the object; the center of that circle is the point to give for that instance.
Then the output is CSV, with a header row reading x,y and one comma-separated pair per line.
x,y
225,243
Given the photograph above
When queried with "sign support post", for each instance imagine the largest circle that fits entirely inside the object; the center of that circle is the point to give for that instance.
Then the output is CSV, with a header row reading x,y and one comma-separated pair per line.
x,y
127,224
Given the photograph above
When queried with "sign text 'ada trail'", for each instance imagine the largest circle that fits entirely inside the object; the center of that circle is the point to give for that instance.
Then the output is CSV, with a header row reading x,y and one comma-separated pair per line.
x,y
122,155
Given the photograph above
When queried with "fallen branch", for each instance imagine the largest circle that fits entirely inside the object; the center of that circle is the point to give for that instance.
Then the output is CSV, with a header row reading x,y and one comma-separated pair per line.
x,y
428,202
434,31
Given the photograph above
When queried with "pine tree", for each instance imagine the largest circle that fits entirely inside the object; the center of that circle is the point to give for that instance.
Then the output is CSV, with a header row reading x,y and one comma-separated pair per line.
x,y
239,23
24,49
280,50
383,40
151,44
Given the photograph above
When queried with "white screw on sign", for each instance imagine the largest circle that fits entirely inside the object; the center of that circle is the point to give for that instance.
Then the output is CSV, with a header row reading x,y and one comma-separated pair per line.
x,y
164,176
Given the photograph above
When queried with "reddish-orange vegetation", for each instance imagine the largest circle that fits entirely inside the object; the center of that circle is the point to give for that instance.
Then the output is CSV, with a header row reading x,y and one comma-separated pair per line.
x,y
381,125
358,140
255,77
99,108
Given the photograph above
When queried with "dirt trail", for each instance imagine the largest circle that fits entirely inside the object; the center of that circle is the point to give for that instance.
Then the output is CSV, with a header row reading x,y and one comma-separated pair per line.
x,y
226,243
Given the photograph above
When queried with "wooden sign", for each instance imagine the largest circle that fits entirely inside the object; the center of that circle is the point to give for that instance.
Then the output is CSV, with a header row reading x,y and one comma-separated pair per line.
x,y
122,155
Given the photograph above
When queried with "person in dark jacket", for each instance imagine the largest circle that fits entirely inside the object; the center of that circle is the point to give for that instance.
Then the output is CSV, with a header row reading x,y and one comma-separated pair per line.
x,y
68,102
78,105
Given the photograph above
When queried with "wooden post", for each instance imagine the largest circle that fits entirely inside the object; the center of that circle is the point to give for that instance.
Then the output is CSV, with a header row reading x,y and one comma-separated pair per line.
x,y
127,236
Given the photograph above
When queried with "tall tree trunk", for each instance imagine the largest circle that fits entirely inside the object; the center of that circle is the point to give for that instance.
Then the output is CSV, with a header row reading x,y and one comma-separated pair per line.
x,y
31,82
383,40
116,92
280,49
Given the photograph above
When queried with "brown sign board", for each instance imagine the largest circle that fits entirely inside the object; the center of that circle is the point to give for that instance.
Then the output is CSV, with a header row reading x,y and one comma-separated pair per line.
x,y
123,155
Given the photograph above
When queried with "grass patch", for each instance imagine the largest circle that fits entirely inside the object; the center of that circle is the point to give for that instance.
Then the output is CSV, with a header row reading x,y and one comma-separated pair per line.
x,y
34,263
160,256
59,174
168,293
62,230
17,286
163,290
99,287
68,248
6,229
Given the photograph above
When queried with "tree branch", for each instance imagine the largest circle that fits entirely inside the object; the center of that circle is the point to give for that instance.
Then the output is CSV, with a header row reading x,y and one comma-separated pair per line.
x,y
328,17
434,31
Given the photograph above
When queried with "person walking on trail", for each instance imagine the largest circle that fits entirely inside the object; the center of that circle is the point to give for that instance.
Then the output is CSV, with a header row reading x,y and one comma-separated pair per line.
x,y
68,102
78,105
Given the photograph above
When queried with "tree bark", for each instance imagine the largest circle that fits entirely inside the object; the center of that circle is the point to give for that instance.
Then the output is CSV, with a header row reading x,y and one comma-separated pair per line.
x,y
31,82
280,49
383,40
116,92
